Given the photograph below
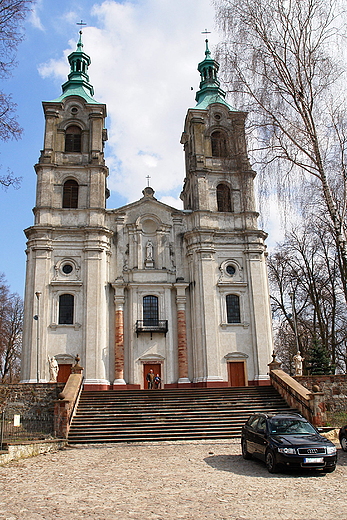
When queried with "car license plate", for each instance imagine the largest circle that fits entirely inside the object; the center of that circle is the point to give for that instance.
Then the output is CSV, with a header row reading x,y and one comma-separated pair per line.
x,y
313,460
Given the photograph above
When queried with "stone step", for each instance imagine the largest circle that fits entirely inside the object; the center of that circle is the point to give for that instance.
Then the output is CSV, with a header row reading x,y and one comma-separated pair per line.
x,y
169,414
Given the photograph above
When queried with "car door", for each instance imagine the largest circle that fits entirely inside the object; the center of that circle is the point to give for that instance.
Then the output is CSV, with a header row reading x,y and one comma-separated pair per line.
x,y
249,433
260,438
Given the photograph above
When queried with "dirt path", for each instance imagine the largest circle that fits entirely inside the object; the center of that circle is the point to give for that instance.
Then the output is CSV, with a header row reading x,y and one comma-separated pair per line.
x,y
163,481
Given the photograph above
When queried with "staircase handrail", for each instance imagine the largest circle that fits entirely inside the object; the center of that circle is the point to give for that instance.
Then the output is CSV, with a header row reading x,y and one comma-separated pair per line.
x,y
65,407
310,404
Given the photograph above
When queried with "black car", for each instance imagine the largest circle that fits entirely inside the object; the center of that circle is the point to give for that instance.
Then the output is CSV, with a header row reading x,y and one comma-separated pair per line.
x,y
287,440
343,438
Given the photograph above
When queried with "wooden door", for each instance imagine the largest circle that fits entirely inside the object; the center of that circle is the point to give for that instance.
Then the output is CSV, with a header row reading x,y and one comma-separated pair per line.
x,y
63,373
236,371
156,367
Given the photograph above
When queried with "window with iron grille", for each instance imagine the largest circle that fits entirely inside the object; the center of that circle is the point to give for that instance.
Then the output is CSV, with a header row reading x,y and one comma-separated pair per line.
x,y
70,194
218,144
233,308
223,198
73,139
150,311
66,309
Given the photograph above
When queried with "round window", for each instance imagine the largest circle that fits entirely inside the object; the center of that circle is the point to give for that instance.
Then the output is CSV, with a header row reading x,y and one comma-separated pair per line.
x,y
67,268
74,110
230,269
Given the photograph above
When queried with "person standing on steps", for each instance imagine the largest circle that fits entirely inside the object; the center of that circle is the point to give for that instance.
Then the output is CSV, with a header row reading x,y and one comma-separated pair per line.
x,y
157,382
150,379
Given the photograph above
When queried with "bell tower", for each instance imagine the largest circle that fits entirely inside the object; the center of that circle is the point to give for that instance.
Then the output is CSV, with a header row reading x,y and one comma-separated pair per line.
x,y
218,174
226,253
71,172
68,247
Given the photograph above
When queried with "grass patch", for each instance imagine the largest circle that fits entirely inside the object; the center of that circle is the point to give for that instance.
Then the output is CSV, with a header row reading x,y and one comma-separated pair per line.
x,y
337,419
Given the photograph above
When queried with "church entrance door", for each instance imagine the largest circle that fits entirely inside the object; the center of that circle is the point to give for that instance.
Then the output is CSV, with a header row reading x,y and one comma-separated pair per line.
x,y
236,373
156,367
63,373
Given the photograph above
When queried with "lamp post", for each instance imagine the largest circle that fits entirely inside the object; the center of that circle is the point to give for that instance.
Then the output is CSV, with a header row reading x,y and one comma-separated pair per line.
x,y
36,317
291,295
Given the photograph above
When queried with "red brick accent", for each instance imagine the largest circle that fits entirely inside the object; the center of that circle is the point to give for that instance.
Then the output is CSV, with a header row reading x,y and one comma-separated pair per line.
x,y
119,345
182,344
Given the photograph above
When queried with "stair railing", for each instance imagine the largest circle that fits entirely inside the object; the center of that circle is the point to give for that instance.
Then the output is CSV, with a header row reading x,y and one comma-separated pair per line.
x,y
65,407
310,404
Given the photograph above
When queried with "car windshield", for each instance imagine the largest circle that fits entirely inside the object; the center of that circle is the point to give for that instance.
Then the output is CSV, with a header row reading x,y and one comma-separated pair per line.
x,y
290,426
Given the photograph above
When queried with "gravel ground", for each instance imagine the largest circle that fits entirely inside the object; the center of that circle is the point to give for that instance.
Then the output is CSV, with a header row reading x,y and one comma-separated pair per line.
x,y
164,481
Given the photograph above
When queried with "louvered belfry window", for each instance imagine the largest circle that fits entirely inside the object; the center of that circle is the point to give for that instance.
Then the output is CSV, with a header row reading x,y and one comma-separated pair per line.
x,y
73,139
218,144
223,198
70,194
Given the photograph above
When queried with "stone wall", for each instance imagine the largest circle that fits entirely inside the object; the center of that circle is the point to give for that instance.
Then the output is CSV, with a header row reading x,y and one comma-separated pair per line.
x,y
33,398
334,388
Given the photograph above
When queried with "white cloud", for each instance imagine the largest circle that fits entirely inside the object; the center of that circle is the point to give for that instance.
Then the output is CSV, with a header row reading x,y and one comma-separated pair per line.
x,y
34,17
144,58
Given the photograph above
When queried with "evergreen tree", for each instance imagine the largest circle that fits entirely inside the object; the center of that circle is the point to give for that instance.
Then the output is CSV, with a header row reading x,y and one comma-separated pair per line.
x,y
319,362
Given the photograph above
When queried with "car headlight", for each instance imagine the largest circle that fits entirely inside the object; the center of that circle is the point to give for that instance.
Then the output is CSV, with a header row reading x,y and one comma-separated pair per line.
x,y
290,451
331,450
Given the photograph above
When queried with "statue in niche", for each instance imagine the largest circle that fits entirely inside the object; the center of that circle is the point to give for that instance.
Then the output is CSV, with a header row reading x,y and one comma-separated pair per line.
x,y
149,250
53,369
149,261
126,258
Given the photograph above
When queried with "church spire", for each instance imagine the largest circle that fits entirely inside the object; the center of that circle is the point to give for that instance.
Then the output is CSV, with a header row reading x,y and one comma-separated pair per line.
x,y
210,91
78,79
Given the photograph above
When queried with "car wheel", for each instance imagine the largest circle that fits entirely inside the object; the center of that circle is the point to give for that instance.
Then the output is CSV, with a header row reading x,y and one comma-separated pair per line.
x,y
343,442
270,462
245,454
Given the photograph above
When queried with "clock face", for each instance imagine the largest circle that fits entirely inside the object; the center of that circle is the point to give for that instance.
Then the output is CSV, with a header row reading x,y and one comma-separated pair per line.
x,y
230,269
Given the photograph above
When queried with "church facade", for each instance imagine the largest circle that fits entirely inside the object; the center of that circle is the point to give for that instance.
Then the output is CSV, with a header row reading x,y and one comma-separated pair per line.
x,y
146,286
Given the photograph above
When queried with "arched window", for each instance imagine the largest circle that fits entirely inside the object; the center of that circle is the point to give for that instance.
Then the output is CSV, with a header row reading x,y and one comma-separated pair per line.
x,y
218,144
73,139
223,198
150,311
66,309
70,194
233,308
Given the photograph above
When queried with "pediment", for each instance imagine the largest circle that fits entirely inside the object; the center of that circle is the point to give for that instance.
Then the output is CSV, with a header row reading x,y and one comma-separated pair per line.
x,y
236,356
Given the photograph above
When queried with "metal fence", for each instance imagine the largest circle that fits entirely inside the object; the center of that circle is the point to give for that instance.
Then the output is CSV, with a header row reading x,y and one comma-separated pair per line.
x,y
24,427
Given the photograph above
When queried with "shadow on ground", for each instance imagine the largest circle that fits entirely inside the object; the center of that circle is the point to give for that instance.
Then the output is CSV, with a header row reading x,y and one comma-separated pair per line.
x,y
255,468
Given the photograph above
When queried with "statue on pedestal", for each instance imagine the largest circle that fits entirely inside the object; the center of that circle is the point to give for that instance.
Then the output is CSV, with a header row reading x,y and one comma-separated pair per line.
x,y
53,369
298,359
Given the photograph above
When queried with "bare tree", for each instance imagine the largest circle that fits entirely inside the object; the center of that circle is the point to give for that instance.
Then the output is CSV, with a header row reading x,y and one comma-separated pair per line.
x,y
11,323
282,58
307,296
12,15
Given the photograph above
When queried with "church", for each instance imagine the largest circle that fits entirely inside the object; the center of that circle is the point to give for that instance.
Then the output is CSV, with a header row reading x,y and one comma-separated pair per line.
x,y
146,286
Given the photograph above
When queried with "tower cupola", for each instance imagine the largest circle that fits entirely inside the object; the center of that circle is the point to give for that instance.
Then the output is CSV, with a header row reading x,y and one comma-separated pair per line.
x,y
78,79
210,91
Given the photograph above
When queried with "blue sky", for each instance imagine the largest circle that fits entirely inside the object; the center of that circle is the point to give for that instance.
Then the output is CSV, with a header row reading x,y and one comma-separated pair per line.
x,y
144,56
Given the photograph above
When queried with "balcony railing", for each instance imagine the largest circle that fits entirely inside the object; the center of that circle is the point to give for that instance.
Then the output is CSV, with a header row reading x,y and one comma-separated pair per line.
x,y
151,326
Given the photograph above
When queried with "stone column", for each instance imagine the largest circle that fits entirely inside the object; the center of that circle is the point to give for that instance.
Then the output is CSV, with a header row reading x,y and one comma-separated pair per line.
x,y
119,335
182,333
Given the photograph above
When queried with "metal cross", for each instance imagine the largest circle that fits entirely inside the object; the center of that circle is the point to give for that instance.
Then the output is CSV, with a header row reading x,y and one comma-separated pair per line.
x,y
206,32
81,23
148,177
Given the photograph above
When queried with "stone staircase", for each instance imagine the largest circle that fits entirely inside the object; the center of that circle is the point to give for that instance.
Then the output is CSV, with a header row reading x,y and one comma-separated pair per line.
x,y
142,415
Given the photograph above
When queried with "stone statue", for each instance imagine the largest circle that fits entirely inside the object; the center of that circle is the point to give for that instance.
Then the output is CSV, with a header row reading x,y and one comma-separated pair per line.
x,y
298,359
53,369
149,250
